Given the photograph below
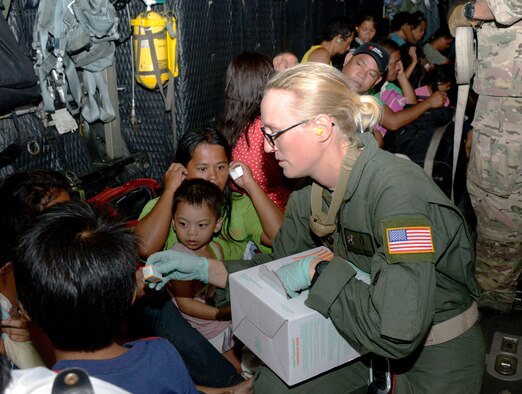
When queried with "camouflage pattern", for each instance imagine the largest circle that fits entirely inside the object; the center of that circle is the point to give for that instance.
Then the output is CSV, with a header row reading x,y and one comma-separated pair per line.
x,y
499,52
495,170
495,188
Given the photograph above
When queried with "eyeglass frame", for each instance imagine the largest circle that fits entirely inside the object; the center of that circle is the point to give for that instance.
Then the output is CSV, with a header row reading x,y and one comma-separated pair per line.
x,y
272,137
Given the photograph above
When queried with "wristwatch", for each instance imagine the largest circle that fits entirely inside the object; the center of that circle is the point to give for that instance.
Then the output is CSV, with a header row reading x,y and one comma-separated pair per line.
x,y
469,10
319,268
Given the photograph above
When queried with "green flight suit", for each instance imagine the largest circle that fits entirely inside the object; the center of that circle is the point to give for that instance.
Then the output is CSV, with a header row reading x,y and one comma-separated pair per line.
x,y
410,291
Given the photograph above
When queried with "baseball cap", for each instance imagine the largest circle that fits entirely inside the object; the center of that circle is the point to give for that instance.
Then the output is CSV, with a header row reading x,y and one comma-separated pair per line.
x,y
377,52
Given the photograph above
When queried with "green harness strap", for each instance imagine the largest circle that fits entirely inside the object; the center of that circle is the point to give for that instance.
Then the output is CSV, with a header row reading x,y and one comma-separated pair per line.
x,y
321,223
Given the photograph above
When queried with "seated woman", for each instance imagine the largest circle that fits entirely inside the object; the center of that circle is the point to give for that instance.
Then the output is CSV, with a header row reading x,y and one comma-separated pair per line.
x,y
365,29
201,153
204,153
247,75
400,27
337,38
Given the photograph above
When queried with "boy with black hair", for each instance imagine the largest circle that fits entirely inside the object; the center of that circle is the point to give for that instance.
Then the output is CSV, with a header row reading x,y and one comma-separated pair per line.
x,y
75,271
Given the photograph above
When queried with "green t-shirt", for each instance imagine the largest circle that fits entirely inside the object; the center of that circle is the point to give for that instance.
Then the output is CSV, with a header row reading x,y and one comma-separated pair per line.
x,y
244,226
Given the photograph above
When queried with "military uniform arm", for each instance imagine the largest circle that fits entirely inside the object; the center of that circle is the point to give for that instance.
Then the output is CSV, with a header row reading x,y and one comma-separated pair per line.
x,y
506,12
389,317
392,315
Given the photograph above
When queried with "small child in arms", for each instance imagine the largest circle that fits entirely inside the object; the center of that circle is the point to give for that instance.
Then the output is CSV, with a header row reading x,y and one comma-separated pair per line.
x,y
196,217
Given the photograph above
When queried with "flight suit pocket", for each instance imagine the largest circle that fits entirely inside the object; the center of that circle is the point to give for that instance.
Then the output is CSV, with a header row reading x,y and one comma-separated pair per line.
x,y
494,164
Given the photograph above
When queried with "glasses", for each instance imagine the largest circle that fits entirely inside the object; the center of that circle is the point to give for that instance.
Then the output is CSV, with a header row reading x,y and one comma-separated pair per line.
x,y
272,137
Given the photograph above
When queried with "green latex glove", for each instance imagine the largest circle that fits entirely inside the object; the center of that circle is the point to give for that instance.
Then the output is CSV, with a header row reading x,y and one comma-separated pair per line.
x,y
295,276
175,265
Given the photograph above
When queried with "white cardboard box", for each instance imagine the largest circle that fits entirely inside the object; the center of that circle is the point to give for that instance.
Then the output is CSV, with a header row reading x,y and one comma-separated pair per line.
x,y
293,340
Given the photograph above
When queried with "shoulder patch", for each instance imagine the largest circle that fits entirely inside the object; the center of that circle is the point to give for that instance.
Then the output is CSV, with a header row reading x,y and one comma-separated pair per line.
x,y
408,239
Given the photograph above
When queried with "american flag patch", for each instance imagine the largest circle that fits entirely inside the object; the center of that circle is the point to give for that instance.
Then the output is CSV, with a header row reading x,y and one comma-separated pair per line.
x,y
409,240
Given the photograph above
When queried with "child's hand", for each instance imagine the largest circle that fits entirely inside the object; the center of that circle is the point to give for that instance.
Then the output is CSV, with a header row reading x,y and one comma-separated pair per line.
x,y
246,180
412,52
401,72
17,329
175,174
437,99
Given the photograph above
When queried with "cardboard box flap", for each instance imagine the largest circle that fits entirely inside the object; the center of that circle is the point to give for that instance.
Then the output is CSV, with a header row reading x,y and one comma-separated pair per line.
x,y
262,316
270,277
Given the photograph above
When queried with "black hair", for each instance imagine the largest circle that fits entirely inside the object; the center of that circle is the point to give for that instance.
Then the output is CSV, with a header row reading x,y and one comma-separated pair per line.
x,y
399,20
389,46
416,18
360,19
441,32
201,135
340,25
23,195
186,147
75,275
247,75
199,192
441,73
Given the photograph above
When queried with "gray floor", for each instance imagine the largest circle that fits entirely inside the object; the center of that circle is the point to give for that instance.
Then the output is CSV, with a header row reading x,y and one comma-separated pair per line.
x,y
493,322
511,326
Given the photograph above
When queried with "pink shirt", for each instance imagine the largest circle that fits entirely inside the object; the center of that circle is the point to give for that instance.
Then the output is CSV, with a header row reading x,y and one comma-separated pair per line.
x,y
422,93
208,328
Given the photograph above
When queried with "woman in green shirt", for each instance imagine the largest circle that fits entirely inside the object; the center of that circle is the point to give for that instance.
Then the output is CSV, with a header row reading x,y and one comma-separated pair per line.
x,y
204,153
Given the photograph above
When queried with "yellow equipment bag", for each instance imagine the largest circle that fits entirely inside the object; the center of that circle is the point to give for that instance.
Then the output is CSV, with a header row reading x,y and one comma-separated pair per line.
x,y
154,48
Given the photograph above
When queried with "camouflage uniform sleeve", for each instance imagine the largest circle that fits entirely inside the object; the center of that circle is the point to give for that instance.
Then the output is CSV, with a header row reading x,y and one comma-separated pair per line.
x,y
506,12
